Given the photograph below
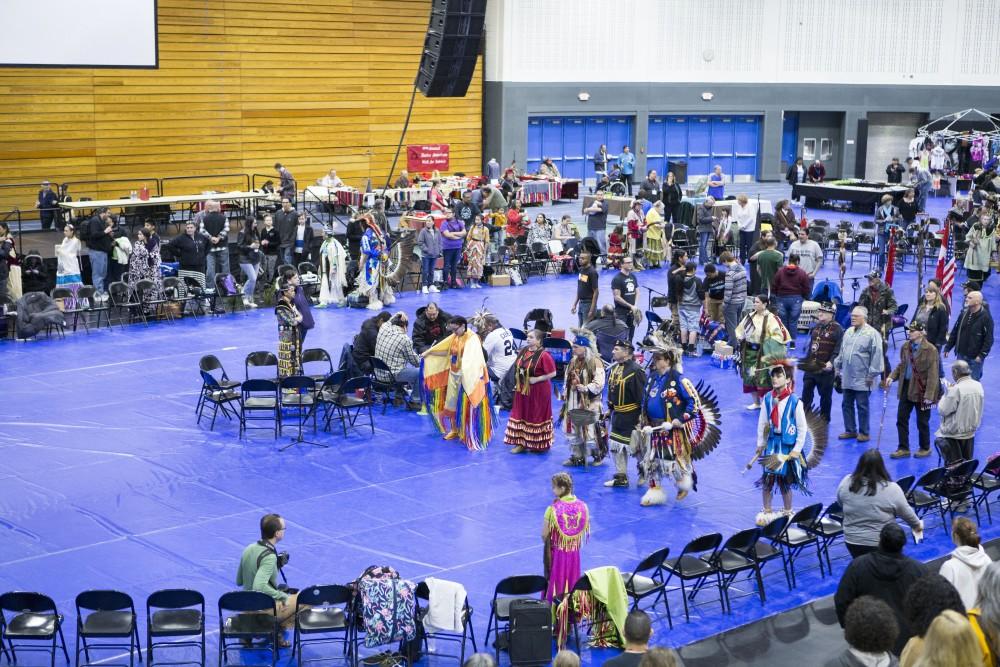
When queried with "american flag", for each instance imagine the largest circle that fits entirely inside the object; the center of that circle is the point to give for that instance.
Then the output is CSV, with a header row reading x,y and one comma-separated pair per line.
x,y
946,263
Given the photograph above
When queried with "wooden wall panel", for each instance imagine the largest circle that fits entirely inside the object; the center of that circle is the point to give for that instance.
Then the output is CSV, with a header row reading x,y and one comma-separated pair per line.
x,y
240,86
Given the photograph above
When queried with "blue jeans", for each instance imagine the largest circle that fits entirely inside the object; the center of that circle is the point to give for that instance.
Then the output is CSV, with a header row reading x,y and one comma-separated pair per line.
x,y
601,236
216,262
703,238
427,270
98,269
285,255
975,366
860,398
250,273
451,257
789,309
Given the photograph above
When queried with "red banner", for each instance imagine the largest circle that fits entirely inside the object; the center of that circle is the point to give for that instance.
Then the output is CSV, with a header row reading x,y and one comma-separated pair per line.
x,y
427,157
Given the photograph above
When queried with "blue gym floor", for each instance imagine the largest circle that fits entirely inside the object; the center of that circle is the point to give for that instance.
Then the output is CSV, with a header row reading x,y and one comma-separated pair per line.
x,y
106,481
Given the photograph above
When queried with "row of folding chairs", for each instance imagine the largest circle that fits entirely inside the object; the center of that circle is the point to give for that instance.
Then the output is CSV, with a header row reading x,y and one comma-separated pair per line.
x,y
175,619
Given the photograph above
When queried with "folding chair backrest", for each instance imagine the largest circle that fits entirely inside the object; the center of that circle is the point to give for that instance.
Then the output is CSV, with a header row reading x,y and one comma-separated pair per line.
x,y
104,601
808,515
582,584
260,359
85,292
743,541
259,386
21,601
906,483
333,382
653,317
245,601
992,467
834,509
931,478
325,596
776,529
703,544
118,293
210,382
210,362
521,584
175,598
518,334
652,561
143,286
298,383
316,354
62,293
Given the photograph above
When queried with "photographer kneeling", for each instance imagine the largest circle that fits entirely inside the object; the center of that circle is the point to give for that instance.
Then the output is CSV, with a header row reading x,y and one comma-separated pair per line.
x,y
259,568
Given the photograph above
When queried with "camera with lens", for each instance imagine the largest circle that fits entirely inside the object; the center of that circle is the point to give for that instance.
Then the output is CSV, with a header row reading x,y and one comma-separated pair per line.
x,y
282,559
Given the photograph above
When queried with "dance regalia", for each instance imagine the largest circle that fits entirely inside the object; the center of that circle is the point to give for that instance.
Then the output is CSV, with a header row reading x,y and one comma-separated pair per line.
x,y
530,422
455,387
588,372
626,383
566,526
781,435
289,341
373,279
672,450
762,339
476,242
616,249
332,272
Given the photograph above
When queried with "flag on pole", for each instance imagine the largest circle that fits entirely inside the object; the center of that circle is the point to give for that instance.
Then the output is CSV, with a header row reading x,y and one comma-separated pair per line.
x,y
890,262
803,223
945,272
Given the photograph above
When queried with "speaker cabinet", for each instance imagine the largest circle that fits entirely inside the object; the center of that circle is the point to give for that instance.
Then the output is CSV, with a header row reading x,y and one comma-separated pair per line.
x,y
451,48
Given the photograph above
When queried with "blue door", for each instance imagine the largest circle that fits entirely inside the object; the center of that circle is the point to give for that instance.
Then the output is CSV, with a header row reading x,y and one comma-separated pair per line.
x,y
552,141
619,135
575,148
747,131
534,158
656,149
597,134
789,137
723,146
699,147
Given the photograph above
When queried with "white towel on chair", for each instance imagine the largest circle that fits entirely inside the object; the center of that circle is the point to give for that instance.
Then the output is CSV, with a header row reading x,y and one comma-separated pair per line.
x,y
445,606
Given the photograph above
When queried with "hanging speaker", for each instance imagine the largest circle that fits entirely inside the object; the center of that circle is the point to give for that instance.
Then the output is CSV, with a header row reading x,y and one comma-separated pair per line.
x,y
451,48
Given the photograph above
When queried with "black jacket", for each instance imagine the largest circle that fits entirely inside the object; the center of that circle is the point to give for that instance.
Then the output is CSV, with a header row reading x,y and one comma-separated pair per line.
x,y
286,223
273,240
937,326
972,335
791,176
96,238
247,254
190,251
426,333
307,241
364,344
884,576
672,194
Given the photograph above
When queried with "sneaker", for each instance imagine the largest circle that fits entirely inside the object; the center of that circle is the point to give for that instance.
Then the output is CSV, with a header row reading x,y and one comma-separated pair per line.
x,y
753,406
618,482
847,435
517,450
425,289
900,454
922,453
574,462
864,437
433,289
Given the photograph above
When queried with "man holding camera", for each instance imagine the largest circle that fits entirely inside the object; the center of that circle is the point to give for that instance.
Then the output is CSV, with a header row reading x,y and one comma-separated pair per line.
x,y
259,567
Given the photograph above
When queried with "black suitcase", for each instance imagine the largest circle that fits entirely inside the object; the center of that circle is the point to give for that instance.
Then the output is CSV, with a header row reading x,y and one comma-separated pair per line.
x,y
530,632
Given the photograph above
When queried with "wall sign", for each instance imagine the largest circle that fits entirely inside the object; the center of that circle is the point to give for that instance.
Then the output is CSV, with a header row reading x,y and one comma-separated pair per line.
x,y
427,157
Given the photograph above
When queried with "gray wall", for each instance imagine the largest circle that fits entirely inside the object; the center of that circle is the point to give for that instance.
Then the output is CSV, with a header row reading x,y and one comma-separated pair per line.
x,y
508,105
889,134
819,125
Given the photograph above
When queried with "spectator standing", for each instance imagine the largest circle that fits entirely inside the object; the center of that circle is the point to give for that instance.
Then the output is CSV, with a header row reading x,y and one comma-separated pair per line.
x,y
498,345
734,294
429,242
715,293
961,412
769,261
860,361
215,227
894,172
968,561
885,574
717,183
745,217
100,243
248,242
68,272
270,245
650,188
285,221
627,162
880,301
809,252
919,388
601,160
47,205
985,617
791,288
706,228
597,221
302,304
824,344
121,251
287,188
625,289
817,172
517,225
933,314
950,641
927,598
302,250
870,630
871,500
692,298
672,196
796,172
587,290
921,179
675,285
402,181
908,206
785,224
972,335
638,631
453,237
466,211
982,243
636,225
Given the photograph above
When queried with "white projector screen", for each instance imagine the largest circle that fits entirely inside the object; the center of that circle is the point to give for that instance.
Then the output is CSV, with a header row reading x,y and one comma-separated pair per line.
x,y
78,33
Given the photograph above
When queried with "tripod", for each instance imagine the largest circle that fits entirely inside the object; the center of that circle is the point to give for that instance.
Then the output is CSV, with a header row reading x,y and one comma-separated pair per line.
x,y
301,396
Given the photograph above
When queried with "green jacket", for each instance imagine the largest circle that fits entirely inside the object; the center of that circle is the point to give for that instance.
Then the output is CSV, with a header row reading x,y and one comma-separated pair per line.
x,y
263,577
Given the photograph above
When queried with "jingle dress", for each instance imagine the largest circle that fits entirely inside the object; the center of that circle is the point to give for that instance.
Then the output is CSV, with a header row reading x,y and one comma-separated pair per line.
x,y
289,342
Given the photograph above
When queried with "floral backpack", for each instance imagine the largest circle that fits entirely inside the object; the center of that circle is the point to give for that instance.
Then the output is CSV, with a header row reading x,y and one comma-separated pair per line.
x,y
386,605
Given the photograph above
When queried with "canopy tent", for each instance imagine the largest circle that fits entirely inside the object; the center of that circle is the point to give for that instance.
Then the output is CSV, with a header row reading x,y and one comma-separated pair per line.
x,y
967,124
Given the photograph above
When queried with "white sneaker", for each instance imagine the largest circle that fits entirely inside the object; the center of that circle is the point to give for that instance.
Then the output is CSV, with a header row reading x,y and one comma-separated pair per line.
x,y
434,289
425,290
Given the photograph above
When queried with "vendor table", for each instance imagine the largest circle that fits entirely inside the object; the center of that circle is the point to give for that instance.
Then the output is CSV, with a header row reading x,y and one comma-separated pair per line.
x,y
618,206
864,196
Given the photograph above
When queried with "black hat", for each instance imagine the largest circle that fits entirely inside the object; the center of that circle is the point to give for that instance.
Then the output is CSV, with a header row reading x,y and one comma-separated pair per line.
x,y
624,344
874,274
916,326
828,307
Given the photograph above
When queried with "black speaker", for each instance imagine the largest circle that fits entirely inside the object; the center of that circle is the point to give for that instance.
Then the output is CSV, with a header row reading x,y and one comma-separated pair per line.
x,y
451,48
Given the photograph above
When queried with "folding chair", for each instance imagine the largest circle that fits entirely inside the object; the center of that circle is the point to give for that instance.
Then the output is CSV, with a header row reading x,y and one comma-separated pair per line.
x,y
261,360
297,398
247,615
561,351
223,293
175,613
121,299
65,294
898,322
260,397
696,563
175,291
794,539
144,290
737,555
639,587
519,336
219,398
922,500
327,395
209,363
468,631
955,489
508,589
986,483
765,552
33,618
323,610
827,528
653,322
317,355
354,397
110,615
384,383
576,617
86,304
